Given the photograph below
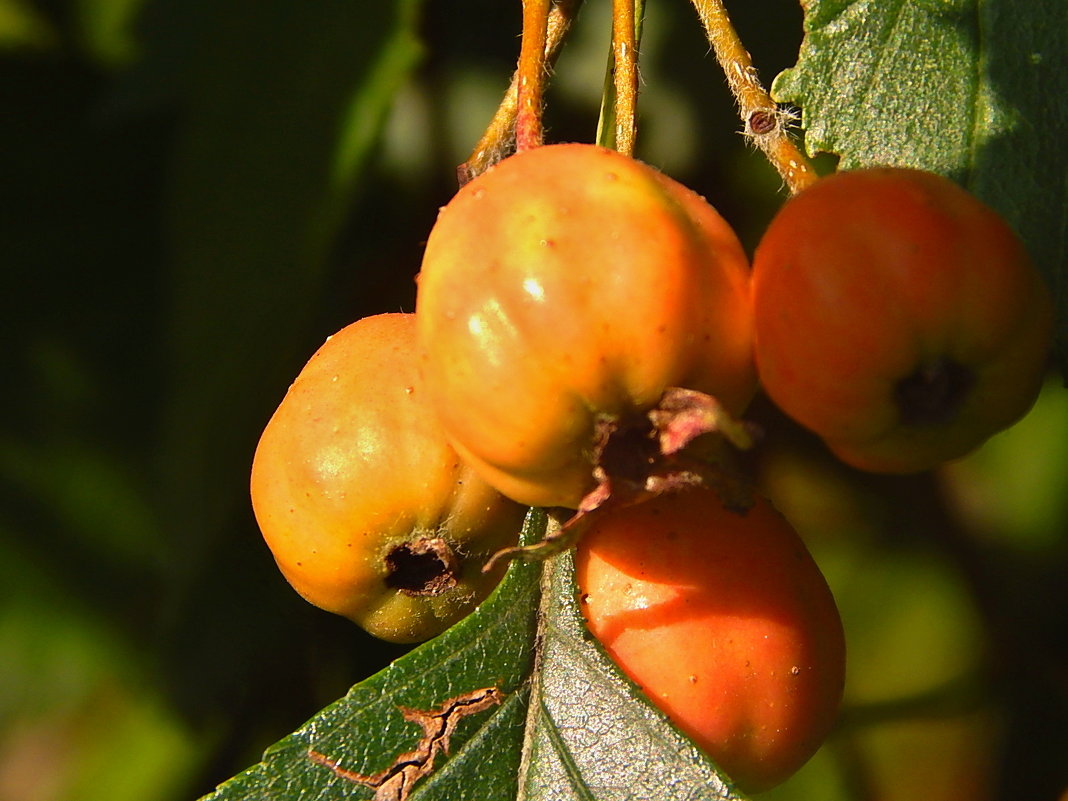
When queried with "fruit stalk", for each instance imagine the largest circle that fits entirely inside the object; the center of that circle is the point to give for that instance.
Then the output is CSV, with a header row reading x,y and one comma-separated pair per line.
x,y
624,75
764,121
528,127
497,138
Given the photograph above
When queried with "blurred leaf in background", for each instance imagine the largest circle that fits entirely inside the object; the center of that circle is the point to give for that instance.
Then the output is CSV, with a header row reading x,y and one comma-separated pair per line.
x,y
22,28
173,181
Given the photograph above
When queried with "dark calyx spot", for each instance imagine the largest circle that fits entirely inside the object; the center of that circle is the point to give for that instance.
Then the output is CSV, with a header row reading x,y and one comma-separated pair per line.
x,y
627,449
424,567
934,393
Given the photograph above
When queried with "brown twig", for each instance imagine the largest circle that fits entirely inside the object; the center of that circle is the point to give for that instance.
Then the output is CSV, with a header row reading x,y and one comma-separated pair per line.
x,y
765,123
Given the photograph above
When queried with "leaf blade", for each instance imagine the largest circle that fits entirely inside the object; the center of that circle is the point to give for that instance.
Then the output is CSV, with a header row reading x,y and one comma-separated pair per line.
x,y
597,736
365,730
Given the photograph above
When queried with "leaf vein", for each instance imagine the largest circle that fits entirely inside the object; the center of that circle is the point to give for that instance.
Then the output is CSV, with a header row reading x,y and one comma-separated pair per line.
x,y
571,768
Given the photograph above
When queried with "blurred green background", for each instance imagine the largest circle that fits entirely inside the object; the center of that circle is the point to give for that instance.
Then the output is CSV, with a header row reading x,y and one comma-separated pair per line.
x,y
194,194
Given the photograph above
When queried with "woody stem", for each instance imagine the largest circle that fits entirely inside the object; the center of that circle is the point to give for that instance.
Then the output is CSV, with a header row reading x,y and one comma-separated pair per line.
x,y
763,120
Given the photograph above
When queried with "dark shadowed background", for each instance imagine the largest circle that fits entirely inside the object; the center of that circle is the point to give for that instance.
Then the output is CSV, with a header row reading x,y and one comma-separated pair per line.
x,y
193,195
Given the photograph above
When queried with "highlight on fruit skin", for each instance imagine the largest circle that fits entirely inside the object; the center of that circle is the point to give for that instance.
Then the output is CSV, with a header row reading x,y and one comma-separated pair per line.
x,y
725,622
368,511
567,287
898,317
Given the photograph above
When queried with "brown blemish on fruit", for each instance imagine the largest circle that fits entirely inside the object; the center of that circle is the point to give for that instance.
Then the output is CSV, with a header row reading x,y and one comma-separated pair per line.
x,y
395,782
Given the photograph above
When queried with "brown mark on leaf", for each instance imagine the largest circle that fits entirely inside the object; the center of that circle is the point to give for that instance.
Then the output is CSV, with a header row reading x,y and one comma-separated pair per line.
x,y
396,782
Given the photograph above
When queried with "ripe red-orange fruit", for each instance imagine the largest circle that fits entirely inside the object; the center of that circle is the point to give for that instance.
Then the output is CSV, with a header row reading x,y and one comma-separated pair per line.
x,y
567,287
726,623
367,510
898,317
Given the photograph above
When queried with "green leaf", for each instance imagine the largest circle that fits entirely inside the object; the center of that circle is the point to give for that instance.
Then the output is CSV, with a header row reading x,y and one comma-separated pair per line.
x,y
965,88
365,731
23,27
592,733
106,29
569,725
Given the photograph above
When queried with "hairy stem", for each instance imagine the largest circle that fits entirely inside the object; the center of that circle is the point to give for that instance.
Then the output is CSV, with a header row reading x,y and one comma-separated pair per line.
x,y
497,139
528,127
617,127
764,121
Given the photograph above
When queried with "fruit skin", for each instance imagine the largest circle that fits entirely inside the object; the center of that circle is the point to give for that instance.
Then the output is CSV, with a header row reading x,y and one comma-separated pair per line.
x,y
352,465
726,623
567,285
872,276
